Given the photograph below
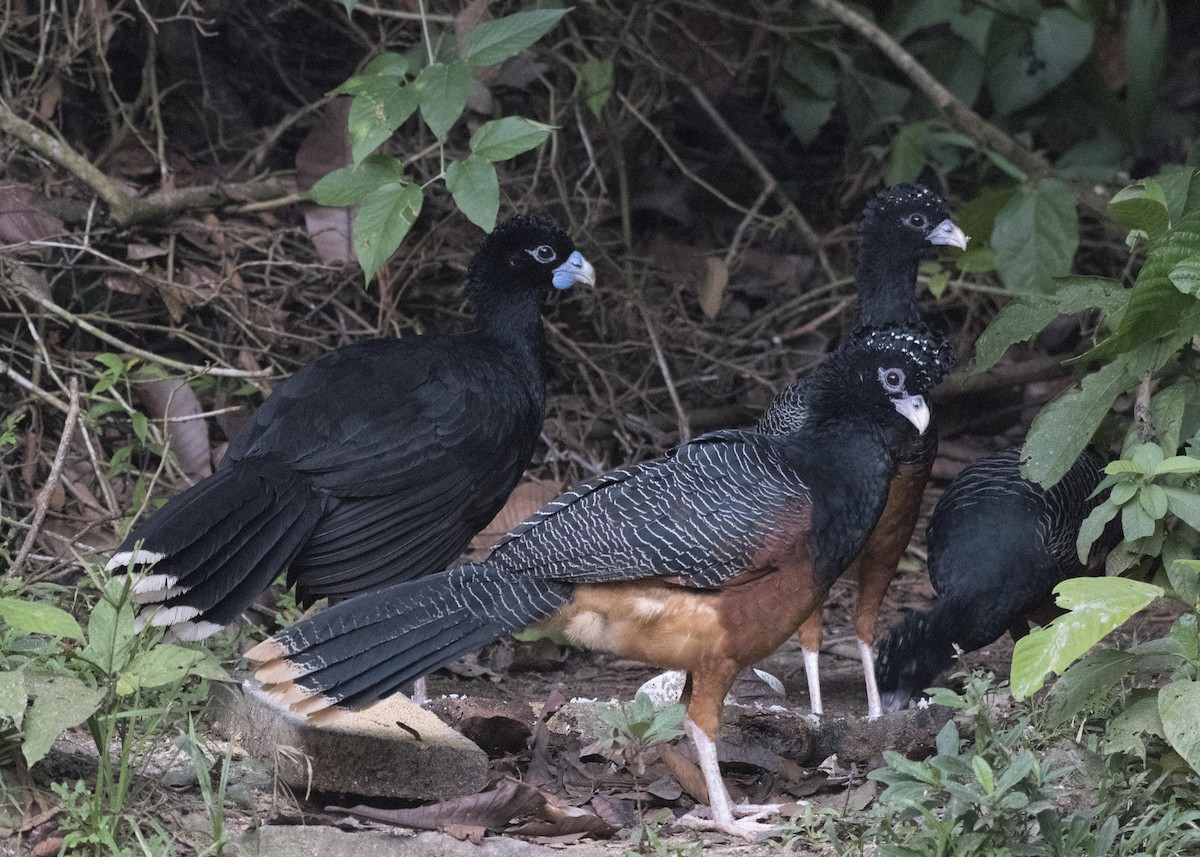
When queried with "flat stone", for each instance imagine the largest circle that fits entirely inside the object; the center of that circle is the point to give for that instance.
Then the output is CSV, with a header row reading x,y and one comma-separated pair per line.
x,y
358,752
316,841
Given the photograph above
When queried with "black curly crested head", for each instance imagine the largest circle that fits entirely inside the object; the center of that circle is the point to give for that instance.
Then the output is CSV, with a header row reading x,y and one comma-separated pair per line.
x,y
902,225
881,373
527,253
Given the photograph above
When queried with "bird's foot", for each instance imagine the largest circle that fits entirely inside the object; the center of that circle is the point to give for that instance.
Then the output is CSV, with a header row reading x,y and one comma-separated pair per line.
x,y
746,822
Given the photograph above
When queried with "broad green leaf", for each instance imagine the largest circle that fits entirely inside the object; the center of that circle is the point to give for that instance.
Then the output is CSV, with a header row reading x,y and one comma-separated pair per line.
x,y
1122,493
806,116
1184,505
1181,189
596,83
1167,409
495,41
1153,500
377,111
870,101
1142,206
1123,734
476,190
383,220
1083,681
1146,60
34,617
1097,605
1036,235
1064,427
1178,464
505,138
351,185
948,739
1157,309
1177,706
1017,770
1023,74
905,154
1184,576
165,664
1135,523
1029,314
13,697
110,635
59,703
1185,276
384,65
1093,525
1147,456
442,89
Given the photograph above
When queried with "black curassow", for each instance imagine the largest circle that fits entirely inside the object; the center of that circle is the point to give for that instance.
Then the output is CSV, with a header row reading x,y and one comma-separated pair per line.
x,y
705,560
374,463
901,226
998,544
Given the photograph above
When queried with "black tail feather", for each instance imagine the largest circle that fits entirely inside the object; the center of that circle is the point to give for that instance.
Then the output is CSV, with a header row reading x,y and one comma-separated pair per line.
x,y
370,645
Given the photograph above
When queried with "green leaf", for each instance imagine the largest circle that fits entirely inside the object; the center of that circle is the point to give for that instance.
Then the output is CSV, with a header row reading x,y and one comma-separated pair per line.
x,y
351,185
1123,734
983,773
906,154
1023,73
1184,577
1177,706
1146,55
59,703
110,630
596,83
378,110
1029,314
1097,606
1153,501
1063,428
1085,680
383,219
1178,464
442,89
476,190
13,697
948,739
1036,235
1093,526
505,138
1167,409
1141,206
167,664
1123,492
1157,309
1135,523
495,41
1185,276
34,617
384,65
1184,505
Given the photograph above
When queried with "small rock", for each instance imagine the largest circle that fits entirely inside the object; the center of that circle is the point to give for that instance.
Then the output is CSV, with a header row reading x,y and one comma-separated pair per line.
x,y
360,752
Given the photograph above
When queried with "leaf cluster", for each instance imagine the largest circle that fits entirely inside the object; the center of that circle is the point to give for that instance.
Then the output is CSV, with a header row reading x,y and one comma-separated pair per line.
x,y
635,727
389,90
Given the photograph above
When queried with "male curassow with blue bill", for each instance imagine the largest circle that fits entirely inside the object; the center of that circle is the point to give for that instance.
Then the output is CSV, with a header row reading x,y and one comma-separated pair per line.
x,y
374,463
901,226
705,560
998,544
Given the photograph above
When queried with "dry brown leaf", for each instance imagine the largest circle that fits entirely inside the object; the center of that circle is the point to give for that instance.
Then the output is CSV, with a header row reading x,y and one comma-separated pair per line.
x,y
169,399
327,146
329,230
712,288
685,771
139,252
22,217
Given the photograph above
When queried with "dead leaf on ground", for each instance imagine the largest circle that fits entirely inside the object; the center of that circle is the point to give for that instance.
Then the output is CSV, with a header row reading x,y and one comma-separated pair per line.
x,y
685,771
171,400
325,149
22,217
711,287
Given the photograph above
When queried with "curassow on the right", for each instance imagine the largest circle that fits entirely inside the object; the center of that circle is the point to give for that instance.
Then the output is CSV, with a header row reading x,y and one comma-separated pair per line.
x,y
998,544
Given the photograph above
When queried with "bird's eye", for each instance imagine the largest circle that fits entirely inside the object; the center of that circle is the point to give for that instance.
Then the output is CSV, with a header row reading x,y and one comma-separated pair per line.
x,y
545,253
892,380
917,221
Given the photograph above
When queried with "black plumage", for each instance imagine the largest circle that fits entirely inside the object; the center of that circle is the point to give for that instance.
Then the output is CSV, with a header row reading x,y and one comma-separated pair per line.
x,y
901,226
705,560
998,544
376,462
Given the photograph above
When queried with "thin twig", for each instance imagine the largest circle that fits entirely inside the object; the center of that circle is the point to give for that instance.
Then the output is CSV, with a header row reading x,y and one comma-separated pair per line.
x,y
42,503
685,432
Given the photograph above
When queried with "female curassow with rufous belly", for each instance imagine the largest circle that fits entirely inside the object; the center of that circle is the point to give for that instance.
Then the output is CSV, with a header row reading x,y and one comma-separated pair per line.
x,y
998,544
705,560
901,226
